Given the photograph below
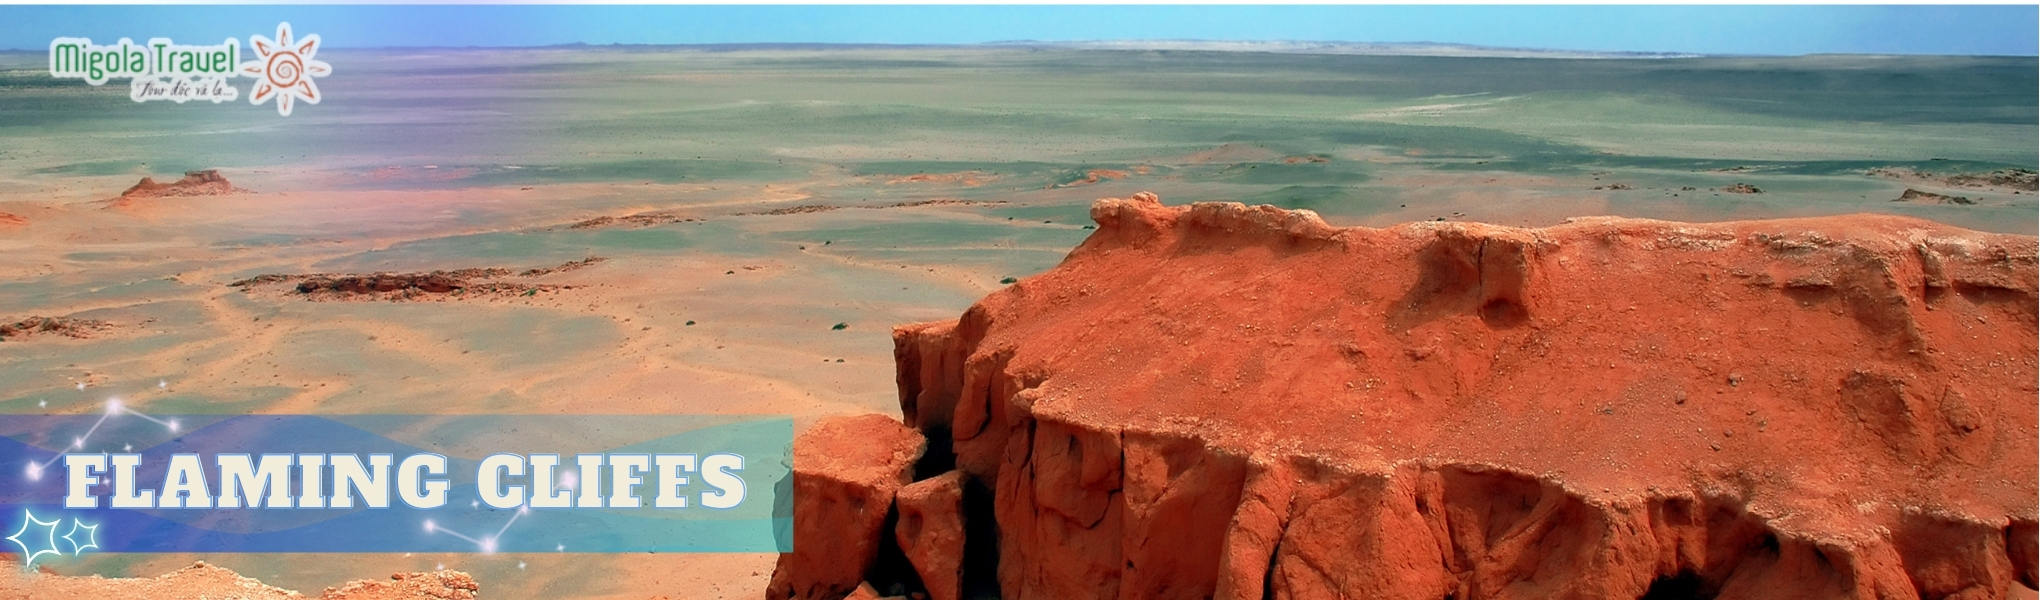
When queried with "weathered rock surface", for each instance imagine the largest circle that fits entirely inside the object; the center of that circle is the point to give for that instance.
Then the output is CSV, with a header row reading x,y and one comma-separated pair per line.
x,y
846,471
1919,197
434,585
2014,179
208,182
64,326
931,532
477,282
864,591
1232,402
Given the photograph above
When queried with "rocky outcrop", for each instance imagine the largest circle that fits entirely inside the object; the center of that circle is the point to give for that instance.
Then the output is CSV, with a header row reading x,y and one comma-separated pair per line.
x,y
846,471
965,178
931,532
864,591
65,326
202,580
2002,179
1221,401
432,585
398,287
1092,177
1919,197
208,182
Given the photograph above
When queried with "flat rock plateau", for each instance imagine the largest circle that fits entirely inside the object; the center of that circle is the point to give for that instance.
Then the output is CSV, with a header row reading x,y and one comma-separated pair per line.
x,y
1223,401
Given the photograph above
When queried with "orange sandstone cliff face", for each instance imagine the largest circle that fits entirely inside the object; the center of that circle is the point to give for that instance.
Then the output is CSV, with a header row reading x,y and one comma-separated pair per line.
x,y
1232,402
847,471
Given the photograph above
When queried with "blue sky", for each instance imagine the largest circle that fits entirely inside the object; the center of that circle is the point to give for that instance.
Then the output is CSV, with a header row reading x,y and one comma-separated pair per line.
x,y
1786,30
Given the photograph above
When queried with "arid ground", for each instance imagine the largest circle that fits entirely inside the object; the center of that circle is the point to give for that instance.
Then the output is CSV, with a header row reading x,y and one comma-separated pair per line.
x,y
765,216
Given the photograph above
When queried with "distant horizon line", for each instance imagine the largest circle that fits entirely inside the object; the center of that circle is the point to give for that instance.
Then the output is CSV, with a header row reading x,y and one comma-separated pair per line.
x,y
1419,49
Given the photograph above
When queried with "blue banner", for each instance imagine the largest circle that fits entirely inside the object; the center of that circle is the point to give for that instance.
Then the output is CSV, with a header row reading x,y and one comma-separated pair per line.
x,y
129,482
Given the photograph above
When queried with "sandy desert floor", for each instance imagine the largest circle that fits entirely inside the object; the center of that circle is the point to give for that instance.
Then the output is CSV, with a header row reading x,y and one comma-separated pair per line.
x,y
745,203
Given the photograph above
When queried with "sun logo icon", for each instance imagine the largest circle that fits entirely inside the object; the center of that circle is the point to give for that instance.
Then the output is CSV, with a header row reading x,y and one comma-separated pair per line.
x,y
285,70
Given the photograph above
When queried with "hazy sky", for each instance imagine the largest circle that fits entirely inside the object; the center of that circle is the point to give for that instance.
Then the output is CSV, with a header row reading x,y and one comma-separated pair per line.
x,y
2000,30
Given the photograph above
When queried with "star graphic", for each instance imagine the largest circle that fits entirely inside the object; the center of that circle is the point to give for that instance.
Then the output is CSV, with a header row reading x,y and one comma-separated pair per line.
x,y
286,70
91,536
47,531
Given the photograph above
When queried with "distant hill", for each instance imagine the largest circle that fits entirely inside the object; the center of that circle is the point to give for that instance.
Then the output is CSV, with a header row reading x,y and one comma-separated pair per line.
x,y
1353,48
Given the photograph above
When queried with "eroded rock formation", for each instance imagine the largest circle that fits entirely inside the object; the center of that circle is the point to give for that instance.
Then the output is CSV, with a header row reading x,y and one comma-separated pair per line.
x,y
846,471
398,287
1919,197
1232,402
208,182
65,326
931,531
2013,179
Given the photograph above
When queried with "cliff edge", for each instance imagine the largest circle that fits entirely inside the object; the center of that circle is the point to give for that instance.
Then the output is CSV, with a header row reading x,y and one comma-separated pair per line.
x,y
1237,402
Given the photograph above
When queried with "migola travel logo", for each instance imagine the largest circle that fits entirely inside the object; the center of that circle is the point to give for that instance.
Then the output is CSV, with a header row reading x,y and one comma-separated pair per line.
x,y
283,67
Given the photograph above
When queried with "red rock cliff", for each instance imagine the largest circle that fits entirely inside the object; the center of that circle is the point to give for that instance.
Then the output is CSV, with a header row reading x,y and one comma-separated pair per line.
x,y
1223,401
